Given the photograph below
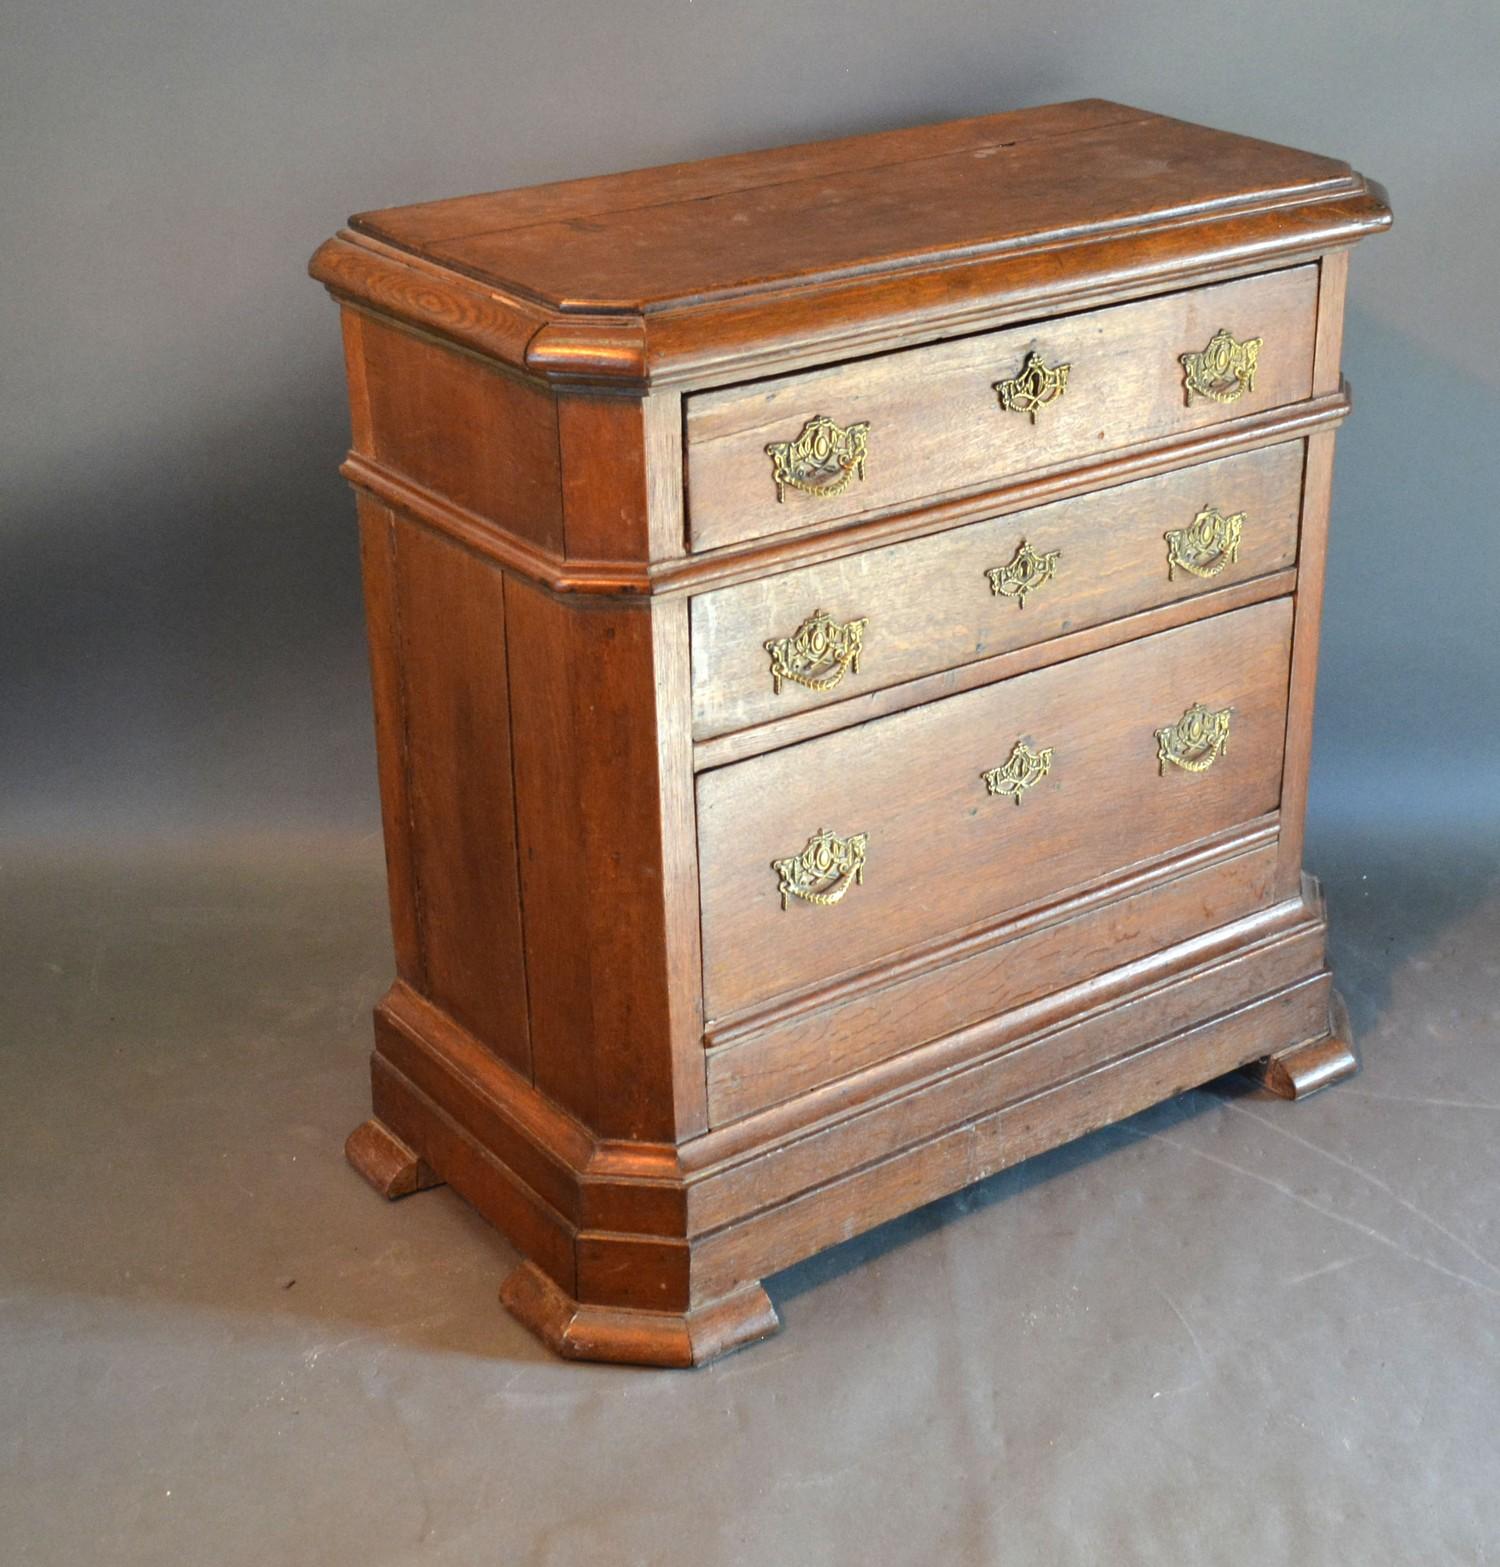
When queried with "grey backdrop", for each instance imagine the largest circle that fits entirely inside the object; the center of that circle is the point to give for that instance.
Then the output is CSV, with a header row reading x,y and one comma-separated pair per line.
x,y
180,620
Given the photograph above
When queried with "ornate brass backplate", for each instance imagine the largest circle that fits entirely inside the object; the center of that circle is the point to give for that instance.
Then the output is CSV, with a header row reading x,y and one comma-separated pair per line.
x,y
1222,372
824,460
1023,769
818,653
825,870
1196,741
1207,545
1035,388
1027,570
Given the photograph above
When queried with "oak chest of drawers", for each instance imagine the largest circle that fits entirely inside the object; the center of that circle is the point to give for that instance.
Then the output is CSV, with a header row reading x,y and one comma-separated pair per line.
x,y
843,626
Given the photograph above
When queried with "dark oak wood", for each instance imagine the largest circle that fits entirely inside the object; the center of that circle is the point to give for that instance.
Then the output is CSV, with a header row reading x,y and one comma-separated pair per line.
x,y
487,438
714,272
604,1032
928,604
935,421
459,785
393,1169
943,851
962,982
633,1336
1303,1069
799,215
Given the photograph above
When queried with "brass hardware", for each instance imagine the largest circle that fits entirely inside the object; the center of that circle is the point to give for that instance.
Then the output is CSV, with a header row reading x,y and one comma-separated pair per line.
x,y
825,869
1037,387
818,654
1196,741
1022,770
1222,372
824,460
1209,544
1026,571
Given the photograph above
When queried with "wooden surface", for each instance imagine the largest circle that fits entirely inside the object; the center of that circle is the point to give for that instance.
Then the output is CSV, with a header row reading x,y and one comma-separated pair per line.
x,y
459,787
713,272
488,440
936,424
797,214
393,1169
942,851
929,604
1314,1064
605,1032
1027,961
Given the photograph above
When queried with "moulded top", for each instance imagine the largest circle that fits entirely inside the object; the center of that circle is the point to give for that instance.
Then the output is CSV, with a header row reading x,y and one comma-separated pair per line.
x,y
687,232
694,266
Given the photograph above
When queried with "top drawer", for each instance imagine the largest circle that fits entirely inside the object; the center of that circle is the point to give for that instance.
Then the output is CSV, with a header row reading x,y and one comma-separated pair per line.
x,y
880,433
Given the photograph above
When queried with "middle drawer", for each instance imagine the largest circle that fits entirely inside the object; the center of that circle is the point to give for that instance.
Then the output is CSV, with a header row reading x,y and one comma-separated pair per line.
x,y
767,649
827,856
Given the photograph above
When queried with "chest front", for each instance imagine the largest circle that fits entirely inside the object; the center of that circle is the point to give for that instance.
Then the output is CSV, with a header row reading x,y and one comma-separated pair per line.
x,y
844,625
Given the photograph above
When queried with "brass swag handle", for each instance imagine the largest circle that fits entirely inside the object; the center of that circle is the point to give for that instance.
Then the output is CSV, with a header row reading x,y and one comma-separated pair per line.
x,y
824,460
1207,545
1025,572
1022,770
824,871
1224,371
1038,386
818,654
1195,742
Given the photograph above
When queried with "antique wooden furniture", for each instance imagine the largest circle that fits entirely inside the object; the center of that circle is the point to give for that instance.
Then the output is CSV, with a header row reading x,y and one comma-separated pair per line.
x,y
843,626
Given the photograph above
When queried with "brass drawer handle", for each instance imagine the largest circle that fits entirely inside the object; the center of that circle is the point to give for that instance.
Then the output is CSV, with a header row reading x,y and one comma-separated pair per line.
x,y
1038,386
824,460
825,869
1022,770
1224,371
818,653
1196,741
1027,570
1209,544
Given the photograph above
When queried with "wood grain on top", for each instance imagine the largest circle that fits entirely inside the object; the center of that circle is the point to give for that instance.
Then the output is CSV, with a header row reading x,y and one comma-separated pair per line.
x,y
755,221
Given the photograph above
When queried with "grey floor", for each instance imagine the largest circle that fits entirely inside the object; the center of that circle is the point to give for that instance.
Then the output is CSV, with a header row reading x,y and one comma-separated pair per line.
x,y
1231,1330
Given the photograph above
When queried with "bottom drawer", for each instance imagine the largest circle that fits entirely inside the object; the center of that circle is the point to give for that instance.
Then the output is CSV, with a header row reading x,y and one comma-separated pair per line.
x,y
834,854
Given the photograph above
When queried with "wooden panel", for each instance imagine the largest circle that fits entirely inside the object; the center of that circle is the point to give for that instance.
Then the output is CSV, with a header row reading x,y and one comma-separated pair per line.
x,y
564,201
1011,1060
649,239
929,605
603,779
936,424
1059,948
457,425
377,551
942,853
1305,642
475,1172
984,1139
451,616
879,703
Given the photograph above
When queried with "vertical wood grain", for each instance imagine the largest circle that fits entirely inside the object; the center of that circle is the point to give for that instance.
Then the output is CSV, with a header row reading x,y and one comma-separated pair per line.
x,y
377,546
464,428
1317,487
680,880
361,429
604,477
1333,277
451,609
603,770
1312,555
666,520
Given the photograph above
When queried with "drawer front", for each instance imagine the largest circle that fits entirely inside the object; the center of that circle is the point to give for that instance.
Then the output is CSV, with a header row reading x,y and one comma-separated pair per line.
x,y
904,427
766,649
920,842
